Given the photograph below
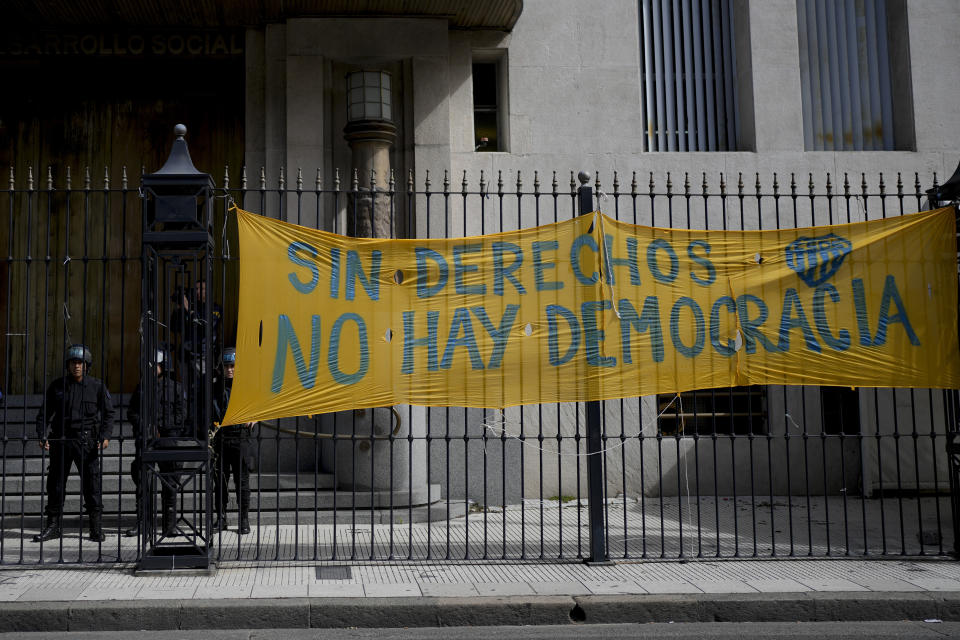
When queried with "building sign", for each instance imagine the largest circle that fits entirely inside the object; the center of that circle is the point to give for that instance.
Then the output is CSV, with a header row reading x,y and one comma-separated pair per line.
x,y
159,44
588,309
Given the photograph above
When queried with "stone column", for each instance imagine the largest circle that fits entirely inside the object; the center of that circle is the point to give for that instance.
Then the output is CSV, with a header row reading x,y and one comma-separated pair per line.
x,y
370,142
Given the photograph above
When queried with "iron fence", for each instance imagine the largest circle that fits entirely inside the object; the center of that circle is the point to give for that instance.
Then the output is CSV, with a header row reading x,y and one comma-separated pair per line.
x,y
744,472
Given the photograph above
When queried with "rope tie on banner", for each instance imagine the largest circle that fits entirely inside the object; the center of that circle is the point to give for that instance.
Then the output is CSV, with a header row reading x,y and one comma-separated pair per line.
x,y
501,431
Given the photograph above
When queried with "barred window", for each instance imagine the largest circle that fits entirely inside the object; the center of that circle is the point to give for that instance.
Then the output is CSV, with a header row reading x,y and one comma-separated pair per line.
x,y
689,66
733,411
849,98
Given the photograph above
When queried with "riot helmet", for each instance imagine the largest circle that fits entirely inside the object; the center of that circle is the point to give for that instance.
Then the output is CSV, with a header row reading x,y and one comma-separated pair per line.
x,y
161,358
78,352
230,356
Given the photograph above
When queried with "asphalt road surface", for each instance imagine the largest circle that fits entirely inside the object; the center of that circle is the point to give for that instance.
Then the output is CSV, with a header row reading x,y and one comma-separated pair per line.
x,y
681,631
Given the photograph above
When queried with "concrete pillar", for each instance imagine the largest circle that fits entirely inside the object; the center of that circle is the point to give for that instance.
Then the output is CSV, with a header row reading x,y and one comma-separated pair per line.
x,y
370,142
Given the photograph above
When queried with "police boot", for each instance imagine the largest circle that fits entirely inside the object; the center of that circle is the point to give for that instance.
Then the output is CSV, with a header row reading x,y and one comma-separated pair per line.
x,y
244,519
50,531
169,521
220,523
135,529
96,532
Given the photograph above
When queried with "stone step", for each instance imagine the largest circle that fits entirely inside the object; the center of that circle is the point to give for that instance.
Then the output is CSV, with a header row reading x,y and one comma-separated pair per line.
x,y
113,481
303,501
114,522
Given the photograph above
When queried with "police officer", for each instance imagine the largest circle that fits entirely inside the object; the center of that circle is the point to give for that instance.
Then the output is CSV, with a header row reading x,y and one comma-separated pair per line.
x,y
234,451
171,409
79,414
187,325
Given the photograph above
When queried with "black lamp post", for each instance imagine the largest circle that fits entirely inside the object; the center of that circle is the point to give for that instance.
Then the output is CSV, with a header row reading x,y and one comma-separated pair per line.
x,y
178,253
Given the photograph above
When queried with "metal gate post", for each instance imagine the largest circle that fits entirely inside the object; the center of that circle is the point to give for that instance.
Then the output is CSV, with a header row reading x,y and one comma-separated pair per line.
x,y
595,488
939,196
177,321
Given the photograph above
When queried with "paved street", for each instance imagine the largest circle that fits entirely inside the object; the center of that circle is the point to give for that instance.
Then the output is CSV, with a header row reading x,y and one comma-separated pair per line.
x,y
686,631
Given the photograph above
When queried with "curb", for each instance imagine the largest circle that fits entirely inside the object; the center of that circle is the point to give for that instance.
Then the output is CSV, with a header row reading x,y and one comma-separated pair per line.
x,y
315,613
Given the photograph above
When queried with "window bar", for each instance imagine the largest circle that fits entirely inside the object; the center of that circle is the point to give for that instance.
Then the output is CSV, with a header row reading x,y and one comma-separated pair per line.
x,y
649,75
659,63
699,76
677,132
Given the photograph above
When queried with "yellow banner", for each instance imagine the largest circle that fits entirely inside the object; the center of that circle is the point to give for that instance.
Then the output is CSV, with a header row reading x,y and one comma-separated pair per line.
x,y
588,309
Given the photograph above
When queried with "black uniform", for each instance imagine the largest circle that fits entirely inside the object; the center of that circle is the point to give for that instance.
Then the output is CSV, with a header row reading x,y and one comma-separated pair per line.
x,y
171,412
233,446
187,325
79,416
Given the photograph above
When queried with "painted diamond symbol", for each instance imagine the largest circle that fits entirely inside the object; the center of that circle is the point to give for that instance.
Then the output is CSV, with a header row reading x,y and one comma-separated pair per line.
x,y
817,259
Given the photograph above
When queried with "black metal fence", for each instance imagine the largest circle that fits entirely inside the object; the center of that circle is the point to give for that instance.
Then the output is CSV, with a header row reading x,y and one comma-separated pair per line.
x,y
743,472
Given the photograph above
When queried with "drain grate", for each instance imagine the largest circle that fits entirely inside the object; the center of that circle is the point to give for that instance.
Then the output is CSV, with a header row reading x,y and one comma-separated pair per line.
x,y
333,573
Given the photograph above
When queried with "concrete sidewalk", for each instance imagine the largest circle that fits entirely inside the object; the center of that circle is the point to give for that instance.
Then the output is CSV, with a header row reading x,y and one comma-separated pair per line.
x,y
299,595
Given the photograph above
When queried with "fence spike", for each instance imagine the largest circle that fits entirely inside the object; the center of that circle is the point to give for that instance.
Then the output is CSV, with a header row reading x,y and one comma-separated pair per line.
x,y
810,185
106,179
899,185
651,185
426,182
483,182
740,184
446,182
704,187
776,186
616,183
863,182
69,178
499,182
846,185
519,182
11,178
916,182
573,185
318,182
555,185
263,178
299,178
49,178
336,179
633,184
723,186
355,181
669,185
756,185
226,176
392,184
373,181
596,182
883,187
829,186
410,181
536,182
464,185
30,178
282,182
243,177
686,183
793,185
123,177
